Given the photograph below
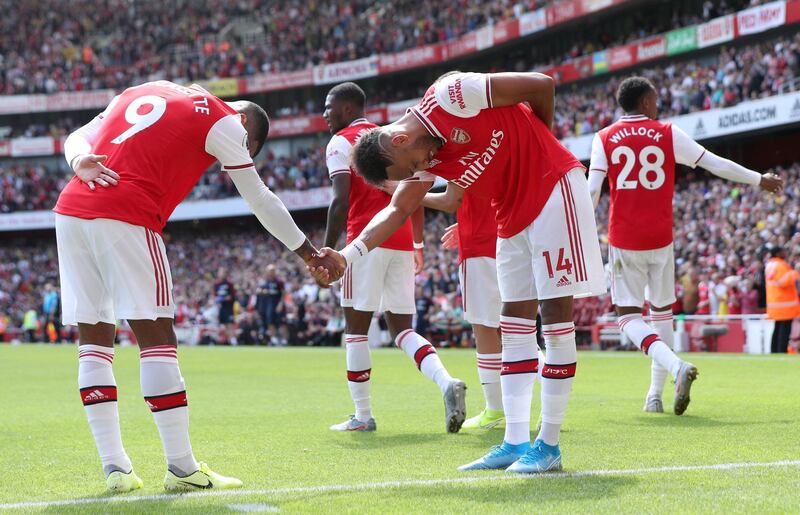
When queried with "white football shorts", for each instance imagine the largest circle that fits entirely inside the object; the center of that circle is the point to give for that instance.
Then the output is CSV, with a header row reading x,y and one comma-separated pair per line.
x,y
558,254
111,270
479,291
383,280
639,275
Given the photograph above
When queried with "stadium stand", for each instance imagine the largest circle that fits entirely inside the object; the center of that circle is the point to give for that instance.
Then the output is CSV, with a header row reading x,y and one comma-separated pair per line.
x,y
214,40
732,76
722,231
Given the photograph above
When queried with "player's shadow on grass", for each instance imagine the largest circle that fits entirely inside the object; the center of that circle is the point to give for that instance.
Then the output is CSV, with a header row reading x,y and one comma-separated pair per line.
x,y
518,492
366,441
688,421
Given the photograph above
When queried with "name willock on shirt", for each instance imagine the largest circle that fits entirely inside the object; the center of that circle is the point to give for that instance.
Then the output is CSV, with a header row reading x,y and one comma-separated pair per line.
x,y
653,134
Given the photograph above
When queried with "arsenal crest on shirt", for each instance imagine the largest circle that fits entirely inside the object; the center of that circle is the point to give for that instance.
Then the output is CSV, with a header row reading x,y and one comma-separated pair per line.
x,y
459,136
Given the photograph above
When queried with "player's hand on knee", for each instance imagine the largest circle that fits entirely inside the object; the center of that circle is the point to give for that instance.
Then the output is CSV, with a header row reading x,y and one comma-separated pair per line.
x,y
90,169
450,237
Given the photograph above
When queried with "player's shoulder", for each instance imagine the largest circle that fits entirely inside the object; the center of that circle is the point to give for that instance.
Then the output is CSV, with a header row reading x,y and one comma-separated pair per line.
x,y
355,130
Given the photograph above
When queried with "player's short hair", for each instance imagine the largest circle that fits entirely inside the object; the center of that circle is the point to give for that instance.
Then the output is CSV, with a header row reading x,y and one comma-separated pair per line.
x,y
631,91
369,157
257,122
349,92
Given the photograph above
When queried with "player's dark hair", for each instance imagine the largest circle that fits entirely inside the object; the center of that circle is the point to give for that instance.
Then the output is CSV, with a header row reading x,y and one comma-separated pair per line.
x,y
631,91
349,92
369,158
257,123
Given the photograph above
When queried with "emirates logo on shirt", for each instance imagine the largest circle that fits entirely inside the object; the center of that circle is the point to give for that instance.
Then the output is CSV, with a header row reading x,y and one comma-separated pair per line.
x,y
459,136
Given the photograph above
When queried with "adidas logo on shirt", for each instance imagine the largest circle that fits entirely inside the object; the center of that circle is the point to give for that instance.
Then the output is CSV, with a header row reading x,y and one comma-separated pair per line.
x,y
564,281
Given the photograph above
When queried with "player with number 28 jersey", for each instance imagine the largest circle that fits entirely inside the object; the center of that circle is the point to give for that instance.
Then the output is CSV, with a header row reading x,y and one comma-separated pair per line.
x,y
639,154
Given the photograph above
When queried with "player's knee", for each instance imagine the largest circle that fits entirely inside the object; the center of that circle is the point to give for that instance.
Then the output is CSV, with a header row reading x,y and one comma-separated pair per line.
x,y
555,311
522,309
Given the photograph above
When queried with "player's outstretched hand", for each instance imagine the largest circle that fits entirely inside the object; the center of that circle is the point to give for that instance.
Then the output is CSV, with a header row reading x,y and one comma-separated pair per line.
x,y
450,237
90,169
327,266
771,183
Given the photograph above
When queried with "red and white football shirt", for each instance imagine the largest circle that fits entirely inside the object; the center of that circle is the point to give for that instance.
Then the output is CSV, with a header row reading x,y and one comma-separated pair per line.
x,y
477,228
365,200
505,153
639,156
160,138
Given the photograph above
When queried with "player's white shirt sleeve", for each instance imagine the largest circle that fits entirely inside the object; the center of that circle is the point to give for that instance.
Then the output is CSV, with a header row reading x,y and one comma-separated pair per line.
x,y
598,160
598,168
687,151
464,94
690,153
227,141
337,156
80,141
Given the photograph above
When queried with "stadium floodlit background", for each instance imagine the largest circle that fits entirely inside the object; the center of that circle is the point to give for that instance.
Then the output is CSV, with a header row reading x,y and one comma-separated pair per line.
x,y
728,73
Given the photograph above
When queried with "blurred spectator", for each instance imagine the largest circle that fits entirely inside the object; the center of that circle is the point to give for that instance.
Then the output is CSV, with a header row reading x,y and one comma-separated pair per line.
x,y
51,313
225,295
30,325
783,305
269,301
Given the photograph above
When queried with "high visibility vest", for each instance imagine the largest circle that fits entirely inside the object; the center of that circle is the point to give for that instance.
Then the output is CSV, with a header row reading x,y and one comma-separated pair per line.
x,y
782,301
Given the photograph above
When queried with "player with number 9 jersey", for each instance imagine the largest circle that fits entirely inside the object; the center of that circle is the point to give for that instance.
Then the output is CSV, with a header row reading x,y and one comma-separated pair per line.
x,y
148,149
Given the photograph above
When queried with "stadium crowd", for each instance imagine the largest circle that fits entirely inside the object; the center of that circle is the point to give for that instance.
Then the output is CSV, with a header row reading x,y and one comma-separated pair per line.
x,y
721,232
51,46
47,49
734,75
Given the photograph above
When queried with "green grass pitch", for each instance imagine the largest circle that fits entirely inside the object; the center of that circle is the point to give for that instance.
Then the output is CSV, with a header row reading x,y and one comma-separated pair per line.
x,y
263,414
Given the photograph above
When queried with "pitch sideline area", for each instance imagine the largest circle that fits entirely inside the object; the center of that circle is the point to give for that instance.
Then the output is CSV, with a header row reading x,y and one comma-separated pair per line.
x,y
262,415
276,492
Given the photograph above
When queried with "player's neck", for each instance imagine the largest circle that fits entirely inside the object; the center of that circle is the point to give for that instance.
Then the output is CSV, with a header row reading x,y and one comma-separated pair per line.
x,y
359,117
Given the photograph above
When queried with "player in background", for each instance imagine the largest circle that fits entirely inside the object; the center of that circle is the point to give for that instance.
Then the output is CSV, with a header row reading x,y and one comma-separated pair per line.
x,y
148,149
490,133
383,280
475,237
639,154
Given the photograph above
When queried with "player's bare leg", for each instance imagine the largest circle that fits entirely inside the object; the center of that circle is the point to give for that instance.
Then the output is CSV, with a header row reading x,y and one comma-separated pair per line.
x,y
165,394
427,360
98,389
489,347
359,370
649,340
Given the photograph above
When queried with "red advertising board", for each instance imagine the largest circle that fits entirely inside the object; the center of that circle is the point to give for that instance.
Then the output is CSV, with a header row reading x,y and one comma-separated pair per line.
x,y
621,57
563,11
466,44
413,58
506,31
793,11
276,81
651,48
